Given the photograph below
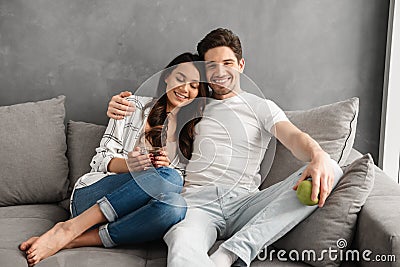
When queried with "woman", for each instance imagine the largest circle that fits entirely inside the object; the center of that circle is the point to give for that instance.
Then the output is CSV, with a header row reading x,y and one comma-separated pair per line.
x,y
123,200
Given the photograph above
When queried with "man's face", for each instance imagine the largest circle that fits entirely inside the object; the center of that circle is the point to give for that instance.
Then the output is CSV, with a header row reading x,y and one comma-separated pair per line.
x,y
223,71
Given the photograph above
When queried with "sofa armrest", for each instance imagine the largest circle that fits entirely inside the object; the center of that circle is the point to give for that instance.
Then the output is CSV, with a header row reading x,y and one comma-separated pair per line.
x,y
378,222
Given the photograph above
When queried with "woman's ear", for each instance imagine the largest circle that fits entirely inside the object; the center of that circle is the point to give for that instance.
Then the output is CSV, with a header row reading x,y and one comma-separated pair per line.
x,y
166,76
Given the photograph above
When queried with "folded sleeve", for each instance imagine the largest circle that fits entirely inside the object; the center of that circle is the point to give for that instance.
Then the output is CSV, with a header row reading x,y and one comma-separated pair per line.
x,y
270,114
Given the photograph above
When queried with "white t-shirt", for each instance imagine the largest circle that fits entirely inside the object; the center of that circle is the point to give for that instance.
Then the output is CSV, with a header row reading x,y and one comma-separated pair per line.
x,y
231,140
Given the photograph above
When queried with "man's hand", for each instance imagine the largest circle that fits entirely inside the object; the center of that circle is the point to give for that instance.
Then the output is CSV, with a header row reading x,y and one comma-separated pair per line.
x,y
305,148
119,107
321,172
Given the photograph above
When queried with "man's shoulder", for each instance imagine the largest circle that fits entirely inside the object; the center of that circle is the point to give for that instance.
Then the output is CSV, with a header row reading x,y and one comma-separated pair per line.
x,y
254,99
262,106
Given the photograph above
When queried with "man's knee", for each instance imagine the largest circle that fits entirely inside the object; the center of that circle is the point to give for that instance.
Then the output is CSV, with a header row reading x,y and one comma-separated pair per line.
x,y
194,225
336,167
338,172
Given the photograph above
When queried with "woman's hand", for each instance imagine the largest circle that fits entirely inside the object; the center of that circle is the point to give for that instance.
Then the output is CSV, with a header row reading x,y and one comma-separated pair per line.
x,y
137,161
160,160
119,107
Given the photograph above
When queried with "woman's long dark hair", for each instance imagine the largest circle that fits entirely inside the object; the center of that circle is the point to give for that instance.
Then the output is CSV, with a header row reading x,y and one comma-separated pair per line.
x,y
188,115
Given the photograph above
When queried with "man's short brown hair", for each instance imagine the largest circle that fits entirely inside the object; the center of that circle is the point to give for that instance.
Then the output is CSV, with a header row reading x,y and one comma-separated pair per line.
x,y
220,37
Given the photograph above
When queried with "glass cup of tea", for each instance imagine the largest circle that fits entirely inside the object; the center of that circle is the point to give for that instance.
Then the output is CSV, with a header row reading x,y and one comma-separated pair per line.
x,y
153,151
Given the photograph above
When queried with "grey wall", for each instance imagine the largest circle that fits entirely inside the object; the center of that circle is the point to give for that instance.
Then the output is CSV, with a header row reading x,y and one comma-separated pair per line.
x,y
302,53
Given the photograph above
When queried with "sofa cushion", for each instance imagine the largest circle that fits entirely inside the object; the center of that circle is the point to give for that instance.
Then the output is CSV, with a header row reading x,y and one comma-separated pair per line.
x,y
82,139
142,255
332,126
34,168
333,225
18,223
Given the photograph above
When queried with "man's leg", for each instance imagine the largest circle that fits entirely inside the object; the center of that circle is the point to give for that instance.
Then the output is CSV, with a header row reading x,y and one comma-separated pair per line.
x,y
267,216
190,240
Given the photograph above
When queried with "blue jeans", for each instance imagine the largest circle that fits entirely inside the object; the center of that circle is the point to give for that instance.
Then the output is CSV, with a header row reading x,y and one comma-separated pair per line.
x,y
139,209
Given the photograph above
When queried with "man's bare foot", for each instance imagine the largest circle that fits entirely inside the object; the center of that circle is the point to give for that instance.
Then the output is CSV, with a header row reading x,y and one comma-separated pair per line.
x,y
28,243
50,242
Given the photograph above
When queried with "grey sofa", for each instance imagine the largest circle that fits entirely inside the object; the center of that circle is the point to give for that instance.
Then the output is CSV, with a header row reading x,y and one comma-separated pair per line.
x,y
22,216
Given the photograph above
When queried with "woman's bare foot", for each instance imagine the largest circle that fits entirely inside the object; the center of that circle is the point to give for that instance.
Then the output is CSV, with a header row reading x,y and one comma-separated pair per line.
x,y
62,234
24,246
50,242
88,238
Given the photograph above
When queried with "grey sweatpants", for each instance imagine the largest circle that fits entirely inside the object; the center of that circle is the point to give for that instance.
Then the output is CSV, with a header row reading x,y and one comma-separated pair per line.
x,y
249,221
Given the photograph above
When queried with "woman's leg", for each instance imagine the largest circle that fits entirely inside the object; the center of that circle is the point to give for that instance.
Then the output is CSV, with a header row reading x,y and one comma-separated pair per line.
x,y
139,191
85,197
148,223
63,233
136,191
153,221
89,238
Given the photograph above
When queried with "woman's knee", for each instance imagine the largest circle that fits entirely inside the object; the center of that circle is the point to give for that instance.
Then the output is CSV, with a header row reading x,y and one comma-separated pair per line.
x,y
171,175
172,204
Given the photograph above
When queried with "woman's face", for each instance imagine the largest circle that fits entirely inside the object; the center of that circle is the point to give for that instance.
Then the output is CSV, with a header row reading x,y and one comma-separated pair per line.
x,y
182,84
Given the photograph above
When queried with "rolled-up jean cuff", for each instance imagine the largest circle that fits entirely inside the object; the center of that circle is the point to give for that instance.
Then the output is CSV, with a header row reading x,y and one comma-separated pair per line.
x,y
107,209
105,236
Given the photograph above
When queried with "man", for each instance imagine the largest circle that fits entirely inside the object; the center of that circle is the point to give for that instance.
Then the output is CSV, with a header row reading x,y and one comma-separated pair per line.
x,y
221,186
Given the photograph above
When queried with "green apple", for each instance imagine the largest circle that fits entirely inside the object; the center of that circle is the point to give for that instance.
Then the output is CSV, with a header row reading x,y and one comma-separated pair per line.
x,y
304,193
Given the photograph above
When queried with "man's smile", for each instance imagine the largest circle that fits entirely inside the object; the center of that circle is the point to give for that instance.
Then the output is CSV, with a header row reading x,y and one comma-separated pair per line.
x,y
221,80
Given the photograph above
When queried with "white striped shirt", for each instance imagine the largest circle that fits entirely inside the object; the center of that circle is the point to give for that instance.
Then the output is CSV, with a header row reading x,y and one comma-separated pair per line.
x,y
120,137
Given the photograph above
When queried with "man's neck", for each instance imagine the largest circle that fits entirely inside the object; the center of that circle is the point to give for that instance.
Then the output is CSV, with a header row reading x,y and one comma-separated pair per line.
x,y
226,96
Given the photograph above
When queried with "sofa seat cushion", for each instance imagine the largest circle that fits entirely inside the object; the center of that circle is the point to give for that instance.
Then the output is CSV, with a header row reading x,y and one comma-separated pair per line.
x,y
18,223
149,254
275,262
92,256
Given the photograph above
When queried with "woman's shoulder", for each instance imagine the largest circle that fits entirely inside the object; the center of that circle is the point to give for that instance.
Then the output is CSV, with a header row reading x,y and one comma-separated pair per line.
x,y
139,101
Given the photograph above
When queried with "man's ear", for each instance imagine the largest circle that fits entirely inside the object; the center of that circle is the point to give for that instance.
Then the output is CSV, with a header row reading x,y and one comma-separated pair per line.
x,y
241,65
